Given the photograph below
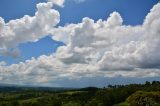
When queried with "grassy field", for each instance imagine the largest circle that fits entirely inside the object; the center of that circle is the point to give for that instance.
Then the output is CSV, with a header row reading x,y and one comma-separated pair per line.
x,y
122,104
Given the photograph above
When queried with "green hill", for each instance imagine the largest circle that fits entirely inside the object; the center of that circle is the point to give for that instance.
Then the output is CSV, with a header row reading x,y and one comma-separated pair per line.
x,y
147,94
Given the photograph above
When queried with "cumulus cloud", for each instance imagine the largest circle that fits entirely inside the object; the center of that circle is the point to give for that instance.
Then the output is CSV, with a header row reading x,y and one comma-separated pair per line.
x,y
110,44
28,28
58,2
93,49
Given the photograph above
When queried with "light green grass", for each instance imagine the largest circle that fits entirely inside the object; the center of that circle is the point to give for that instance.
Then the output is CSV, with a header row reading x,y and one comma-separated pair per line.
x,y
122,104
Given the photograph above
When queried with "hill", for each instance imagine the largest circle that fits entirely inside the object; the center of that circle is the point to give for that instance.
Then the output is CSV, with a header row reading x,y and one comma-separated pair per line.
x,y
147,94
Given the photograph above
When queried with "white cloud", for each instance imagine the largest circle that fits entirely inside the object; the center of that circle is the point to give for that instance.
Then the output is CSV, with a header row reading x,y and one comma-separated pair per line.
x,y
110,44
93,49
58,2
28,28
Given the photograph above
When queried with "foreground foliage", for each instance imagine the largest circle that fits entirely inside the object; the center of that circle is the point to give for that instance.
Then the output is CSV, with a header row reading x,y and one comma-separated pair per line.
x,y
144,99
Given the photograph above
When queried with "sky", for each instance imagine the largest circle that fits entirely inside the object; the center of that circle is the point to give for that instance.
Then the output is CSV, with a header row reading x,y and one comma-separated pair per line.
x,y
79,43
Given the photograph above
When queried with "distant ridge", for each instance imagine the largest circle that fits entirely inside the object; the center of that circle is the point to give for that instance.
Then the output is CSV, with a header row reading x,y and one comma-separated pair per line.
x,y
14,87
7,85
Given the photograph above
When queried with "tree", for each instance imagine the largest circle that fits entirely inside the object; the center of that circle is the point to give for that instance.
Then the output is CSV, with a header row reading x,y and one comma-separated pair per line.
x,y
148,83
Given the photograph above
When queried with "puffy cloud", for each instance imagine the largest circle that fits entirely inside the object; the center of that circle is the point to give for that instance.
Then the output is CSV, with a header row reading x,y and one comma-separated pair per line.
x,y
58,2
28,28
88,42
93,49
110,44
114,20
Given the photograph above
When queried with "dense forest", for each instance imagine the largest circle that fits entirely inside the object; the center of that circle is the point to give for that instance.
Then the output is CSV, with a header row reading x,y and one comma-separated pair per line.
x,y
147,94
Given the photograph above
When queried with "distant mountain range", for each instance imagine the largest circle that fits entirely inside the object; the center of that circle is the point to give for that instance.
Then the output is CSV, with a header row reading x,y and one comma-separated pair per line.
x,y
13,87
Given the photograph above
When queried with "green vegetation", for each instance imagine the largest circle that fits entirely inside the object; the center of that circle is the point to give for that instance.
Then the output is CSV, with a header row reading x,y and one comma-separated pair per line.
x,y
147,94
141,98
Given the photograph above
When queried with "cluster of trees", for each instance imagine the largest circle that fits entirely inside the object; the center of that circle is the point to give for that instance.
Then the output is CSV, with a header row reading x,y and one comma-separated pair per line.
x,y
119,93
147,94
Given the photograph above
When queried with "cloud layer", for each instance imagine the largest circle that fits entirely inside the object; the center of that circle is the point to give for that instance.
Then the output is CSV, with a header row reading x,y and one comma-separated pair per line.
x,y
93,49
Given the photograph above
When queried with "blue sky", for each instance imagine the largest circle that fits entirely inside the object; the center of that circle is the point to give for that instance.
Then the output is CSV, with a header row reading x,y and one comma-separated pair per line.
x,y
133,13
